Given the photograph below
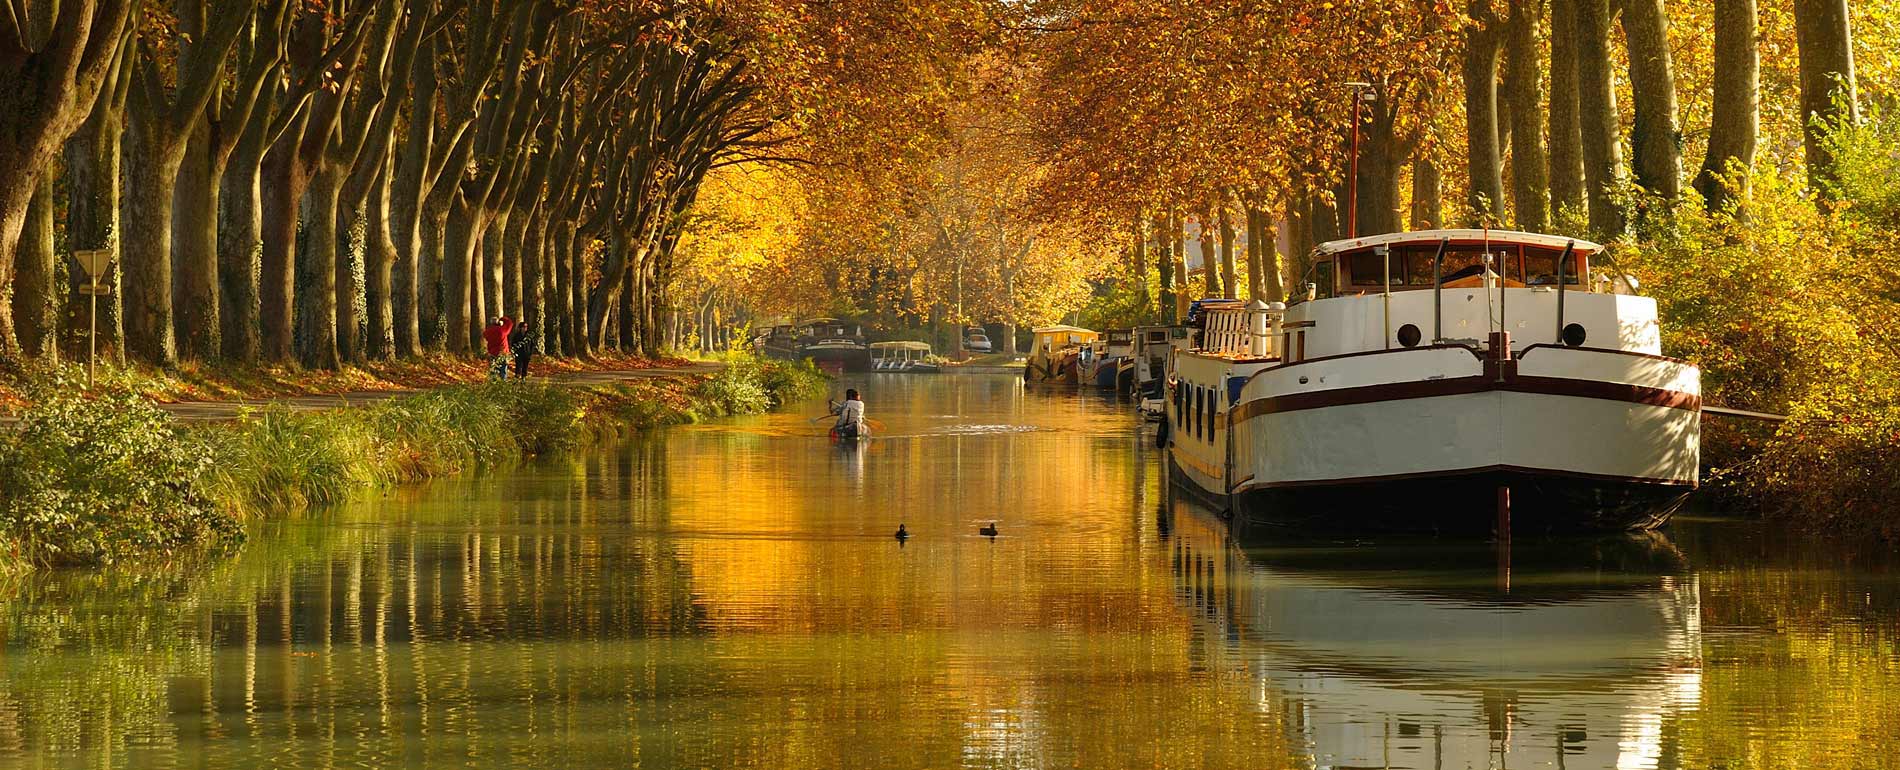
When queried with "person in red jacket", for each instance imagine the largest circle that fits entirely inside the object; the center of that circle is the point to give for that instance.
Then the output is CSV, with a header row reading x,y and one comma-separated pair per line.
x,y
496,335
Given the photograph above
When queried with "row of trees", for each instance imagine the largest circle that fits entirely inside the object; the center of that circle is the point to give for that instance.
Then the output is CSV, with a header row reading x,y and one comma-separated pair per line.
x,y
1236,113
349,179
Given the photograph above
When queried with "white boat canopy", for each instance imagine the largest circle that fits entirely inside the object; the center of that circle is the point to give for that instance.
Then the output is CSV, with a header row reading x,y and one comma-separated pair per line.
x,y
1432,237
1061,329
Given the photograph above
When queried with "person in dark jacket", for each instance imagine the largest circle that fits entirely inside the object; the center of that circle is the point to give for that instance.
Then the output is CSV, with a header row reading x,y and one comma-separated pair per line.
x,y
525,343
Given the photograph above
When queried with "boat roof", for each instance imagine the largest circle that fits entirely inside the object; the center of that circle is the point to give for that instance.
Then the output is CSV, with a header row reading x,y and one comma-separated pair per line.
x,y
902,345
1461,236
1061,329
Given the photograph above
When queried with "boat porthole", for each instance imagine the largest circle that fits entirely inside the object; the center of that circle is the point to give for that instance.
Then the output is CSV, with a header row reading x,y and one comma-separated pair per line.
x,y
1574,335
1409,336
1302,379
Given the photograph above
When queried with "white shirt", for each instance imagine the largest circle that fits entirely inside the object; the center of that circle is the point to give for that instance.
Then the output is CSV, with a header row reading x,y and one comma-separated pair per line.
x,y
851,413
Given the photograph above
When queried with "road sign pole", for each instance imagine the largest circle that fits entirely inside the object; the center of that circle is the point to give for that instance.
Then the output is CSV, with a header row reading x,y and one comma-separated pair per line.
x,y
92,330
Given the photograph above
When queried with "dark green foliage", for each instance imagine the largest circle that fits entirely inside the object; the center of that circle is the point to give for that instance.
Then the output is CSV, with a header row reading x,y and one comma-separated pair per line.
x,y
99,479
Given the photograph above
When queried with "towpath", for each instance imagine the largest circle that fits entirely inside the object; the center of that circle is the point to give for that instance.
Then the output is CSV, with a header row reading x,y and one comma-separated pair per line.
x,y
214,411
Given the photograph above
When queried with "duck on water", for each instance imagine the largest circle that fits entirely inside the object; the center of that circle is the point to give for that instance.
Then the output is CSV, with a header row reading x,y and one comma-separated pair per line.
x,y
1425,376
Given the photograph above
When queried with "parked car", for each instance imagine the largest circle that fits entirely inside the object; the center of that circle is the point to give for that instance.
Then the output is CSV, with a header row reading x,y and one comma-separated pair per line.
x,y
975,341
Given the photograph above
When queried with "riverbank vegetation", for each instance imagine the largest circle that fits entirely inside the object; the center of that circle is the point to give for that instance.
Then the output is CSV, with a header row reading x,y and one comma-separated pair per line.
x,y
103,477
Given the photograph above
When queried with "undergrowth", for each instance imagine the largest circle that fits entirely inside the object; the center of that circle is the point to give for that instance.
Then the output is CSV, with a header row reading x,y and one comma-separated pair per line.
x,y
98,478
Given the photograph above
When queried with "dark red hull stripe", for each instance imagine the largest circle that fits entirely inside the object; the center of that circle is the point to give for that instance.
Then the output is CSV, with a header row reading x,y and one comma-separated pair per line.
x,y
1516,469
1401,391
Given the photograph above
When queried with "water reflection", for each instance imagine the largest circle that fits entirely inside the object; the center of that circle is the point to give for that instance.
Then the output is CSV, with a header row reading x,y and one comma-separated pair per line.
x,y
1418,654
728,595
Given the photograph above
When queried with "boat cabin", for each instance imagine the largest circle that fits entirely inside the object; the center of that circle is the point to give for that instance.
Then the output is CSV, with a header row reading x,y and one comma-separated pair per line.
x,y
900,356
1050,339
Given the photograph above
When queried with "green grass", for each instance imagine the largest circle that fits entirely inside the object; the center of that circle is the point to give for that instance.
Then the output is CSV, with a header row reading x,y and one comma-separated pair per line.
x,y
99,479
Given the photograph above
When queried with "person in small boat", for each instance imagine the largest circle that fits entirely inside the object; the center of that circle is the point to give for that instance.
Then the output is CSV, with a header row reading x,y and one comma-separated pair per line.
x,y
850,413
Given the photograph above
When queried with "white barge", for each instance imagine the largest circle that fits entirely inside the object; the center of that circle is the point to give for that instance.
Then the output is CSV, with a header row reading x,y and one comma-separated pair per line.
x,y
1427,376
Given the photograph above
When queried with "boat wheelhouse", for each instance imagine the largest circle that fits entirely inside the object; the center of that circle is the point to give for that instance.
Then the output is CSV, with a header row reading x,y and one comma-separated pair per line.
x,y
1424,378
903,356
834,345
782,342
1056,353
1148,365
1107,353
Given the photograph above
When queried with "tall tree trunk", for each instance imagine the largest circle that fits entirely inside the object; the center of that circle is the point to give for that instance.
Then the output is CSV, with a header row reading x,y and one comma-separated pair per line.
x,y
1164,255
1735,122
198,325
1484,159
1381,159
93,164
1596,110
1428,195
494,257
1210,259
1828,89
512,226
350,268
151,172
432,291
35,306
240,251
459,255
533,278
1566,132
578,244
316,290
1256,243
1227,277
1655,139
379,291
1138,252
1523,91
282,186
1177,249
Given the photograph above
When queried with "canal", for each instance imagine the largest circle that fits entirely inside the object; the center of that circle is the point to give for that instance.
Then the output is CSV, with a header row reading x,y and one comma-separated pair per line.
x,y
730,595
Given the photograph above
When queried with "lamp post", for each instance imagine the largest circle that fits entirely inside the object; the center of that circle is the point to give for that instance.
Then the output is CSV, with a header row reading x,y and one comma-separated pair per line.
x,y
1361,93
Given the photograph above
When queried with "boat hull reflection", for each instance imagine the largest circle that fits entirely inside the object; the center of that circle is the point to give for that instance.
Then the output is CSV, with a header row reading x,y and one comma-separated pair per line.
x,y
1420,654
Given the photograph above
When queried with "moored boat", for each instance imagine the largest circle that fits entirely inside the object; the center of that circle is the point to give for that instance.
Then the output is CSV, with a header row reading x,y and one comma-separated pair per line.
x,y
834,345
903,356
1055,354
781,342
1429,379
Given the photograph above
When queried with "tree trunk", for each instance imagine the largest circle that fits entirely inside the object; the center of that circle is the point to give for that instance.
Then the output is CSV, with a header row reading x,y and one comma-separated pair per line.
x,y
316,289
494,266
1177,249
93,164
282,186
1256,242
1164,256
1210,260
1484,159
350,266
151,171
460,248
1381,158
379,262
1596,110
1655,139
240,253
512,226
432,291
1227,276
35,309
1523,91
1735,122
532,251
1828,89
1428,197
198,324
1566,132
635,289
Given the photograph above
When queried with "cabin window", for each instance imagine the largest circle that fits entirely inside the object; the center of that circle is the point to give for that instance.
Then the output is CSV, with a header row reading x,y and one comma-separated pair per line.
x,y
1321,276
1199,399
1213,416
1540,268
1366,270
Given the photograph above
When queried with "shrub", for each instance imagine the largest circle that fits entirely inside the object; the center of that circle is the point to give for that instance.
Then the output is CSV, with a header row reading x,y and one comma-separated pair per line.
x,y
96,480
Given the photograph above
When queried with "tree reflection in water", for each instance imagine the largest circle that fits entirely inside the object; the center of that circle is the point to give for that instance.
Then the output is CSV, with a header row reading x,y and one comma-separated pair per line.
x,y
728,595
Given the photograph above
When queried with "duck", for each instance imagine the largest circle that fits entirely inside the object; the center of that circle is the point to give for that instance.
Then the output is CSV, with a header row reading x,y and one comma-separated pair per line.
x,y
902,534
989,531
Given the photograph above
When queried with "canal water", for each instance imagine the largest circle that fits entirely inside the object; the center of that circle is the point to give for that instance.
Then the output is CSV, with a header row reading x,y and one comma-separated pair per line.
x,y
730,595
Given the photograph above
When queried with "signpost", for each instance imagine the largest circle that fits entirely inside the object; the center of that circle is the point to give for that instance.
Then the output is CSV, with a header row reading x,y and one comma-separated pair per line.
x,y
95,262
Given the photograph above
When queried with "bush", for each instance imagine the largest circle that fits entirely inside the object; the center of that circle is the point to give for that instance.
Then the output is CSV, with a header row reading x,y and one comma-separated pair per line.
x,y
97,480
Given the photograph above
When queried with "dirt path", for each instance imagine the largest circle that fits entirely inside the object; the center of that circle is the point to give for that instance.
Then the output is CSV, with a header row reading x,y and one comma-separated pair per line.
x,y
213,411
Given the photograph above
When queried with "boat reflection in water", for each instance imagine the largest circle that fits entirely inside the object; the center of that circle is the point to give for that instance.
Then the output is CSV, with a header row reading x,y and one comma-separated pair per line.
x,y
1434,655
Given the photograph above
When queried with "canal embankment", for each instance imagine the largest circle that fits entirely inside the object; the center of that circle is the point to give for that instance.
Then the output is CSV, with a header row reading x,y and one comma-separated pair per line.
x,y
103,476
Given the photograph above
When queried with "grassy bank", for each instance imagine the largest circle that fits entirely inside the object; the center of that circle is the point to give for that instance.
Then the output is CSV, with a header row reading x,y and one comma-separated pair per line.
x,y
104,477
